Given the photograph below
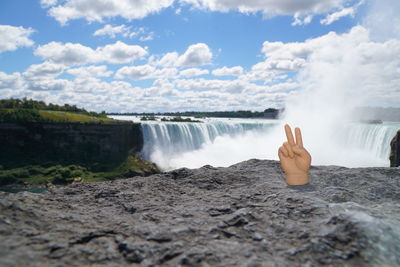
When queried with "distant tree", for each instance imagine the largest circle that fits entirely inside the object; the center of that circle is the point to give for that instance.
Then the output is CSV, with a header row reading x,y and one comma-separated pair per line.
x,y
40,105
20,115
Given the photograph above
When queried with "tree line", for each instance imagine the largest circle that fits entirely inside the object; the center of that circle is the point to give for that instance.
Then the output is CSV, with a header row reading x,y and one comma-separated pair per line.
x,y
215,114
25,103
27,110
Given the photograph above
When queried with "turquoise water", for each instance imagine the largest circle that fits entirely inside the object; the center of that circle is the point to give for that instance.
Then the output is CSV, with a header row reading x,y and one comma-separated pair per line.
x,y
175,138
223,142
31,190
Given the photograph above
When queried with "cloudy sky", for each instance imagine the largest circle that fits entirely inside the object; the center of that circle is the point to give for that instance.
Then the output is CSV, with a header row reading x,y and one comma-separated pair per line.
x,y
177,55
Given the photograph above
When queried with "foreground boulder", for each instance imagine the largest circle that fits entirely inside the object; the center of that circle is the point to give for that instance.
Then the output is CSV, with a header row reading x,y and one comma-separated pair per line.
x,y
244,215
395,151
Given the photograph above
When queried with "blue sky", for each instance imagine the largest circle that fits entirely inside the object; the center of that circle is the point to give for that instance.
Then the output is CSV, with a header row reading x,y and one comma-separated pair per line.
x,y
145,56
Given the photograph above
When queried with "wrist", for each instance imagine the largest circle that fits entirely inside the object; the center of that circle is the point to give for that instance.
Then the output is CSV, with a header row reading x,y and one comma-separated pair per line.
x,y
297,179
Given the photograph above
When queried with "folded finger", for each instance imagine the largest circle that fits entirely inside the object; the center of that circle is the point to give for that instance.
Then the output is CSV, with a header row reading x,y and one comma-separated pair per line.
x,y
300,151
283,151
289,149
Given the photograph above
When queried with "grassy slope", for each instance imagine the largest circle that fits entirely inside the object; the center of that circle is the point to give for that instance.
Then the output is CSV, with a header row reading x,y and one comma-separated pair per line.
x,y
58,174
65,117
43,174
61,116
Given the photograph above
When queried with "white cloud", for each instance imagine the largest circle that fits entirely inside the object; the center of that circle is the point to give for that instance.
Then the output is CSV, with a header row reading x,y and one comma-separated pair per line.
x,y
135,72
11,81
42,77
87,84
231,86
94,10
279,50
12,37
193,72
125,31
48,84
76,54
90,71
383,19
120,52
68,54
225,71
292,57
145,72
343,12
48,3
282,65
348,70
148,37
270,7
349,11
43,70
196,55
281,58
161,88
112,31
169,59
301,10
298,20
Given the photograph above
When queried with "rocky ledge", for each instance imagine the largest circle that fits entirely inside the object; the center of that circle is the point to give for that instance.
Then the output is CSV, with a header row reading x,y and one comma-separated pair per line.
x,y
244,215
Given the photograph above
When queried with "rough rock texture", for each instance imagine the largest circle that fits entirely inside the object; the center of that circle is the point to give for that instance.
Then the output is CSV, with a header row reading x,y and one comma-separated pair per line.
x,y
395,151
74,142
244,215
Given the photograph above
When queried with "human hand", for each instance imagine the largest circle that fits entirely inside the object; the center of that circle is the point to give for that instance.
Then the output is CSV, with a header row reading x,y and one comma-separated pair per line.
x,y
295,159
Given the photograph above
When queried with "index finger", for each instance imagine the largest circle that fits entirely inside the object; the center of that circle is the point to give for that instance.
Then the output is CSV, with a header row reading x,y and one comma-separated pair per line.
x,y
289,134
299,139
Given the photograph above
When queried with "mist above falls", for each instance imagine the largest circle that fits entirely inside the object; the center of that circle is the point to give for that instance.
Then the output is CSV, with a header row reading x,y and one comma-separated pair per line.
x,y
339,72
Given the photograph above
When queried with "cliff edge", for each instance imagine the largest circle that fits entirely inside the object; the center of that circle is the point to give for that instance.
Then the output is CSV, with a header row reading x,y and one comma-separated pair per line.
x,y
31,143
243,215
395,151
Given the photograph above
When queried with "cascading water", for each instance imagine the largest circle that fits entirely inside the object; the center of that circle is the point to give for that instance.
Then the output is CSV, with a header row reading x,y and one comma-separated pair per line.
x,y
172,139
224,142
373,138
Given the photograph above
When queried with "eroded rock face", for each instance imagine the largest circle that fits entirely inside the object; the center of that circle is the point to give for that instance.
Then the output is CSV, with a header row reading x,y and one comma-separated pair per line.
x,y
395,151
68,142
244,215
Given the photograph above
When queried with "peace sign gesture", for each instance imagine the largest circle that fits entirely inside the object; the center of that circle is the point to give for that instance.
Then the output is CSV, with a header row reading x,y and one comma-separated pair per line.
x,y
295,159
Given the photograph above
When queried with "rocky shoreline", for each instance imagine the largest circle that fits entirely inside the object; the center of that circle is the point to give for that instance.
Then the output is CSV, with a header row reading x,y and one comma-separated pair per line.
x,y
243,215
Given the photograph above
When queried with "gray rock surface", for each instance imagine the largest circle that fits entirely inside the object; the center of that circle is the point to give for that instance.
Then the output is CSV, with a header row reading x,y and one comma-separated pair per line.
x,y
244,215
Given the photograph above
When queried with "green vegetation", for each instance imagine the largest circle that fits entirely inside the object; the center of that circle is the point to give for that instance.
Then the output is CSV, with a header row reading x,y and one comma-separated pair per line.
x,y
31,111
40,105
59,174
61,116
215,114
179,119
31,159
148,118
20,115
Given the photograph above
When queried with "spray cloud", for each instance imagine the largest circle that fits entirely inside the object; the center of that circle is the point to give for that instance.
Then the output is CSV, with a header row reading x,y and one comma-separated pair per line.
x,y
339,72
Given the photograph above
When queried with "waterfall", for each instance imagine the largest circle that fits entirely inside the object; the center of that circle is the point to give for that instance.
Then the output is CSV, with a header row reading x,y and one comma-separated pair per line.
x,y
374,138
171,139
223,142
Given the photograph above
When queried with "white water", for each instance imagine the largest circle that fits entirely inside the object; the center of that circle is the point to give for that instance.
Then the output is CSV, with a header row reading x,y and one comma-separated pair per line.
x,y
223,142
175,138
